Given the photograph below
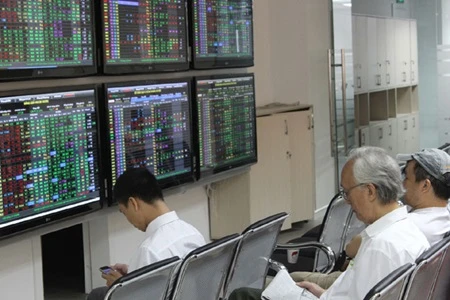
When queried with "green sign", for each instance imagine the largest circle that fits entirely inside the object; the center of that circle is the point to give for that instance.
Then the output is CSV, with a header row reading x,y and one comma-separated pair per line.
x,y
400,1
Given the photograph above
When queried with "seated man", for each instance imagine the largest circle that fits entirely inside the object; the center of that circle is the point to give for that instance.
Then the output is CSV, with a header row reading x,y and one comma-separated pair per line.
x,y
427,183
371,183
140,199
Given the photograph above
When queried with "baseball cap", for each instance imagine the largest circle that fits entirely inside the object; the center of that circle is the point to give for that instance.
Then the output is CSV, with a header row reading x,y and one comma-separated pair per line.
x,y
435,161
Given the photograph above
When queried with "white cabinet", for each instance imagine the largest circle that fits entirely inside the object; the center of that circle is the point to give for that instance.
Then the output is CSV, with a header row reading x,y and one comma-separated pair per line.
x,y
360,54
402,53
376,30
390,53
414,52
383,134
408,133
414,133
364,136
282,180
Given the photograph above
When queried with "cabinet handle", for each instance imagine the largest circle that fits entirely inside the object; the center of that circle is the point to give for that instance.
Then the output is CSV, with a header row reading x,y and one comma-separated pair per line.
x,y
388,62
412,75
406,124
286,128
288,154
380,135
378,79
414,122
388,78
363,139
358,81
390,129
404,76
310,121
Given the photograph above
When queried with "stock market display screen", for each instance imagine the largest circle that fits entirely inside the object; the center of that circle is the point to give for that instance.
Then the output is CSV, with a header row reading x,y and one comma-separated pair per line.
x,y
144,35
48,154
226,122
150,127
222,33
46,38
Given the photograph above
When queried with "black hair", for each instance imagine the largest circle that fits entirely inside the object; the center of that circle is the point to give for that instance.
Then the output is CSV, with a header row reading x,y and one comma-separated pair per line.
x,y
441,190
138,183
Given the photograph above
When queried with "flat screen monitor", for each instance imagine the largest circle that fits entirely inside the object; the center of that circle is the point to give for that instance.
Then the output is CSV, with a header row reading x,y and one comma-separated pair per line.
x,y
142,36
226,120
150,127
53,38
222,33
49,156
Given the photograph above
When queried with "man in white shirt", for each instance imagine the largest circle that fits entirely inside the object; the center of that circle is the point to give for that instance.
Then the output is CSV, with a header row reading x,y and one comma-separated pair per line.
x,y
140,199
427,184
371,183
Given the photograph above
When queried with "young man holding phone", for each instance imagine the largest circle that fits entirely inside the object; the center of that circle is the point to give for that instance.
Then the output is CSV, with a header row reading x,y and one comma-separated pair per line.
x,y
140,199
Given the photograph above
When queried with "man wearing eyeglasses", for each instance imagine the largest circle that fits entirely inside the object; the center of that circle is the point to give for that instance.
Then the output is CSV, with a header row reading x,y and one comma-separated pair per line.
x,y
372,184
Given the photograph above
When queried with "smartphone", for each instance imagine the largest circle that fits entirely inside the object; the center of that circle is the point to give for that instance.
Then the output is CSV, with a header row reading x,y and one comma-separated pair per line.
x,y
105,269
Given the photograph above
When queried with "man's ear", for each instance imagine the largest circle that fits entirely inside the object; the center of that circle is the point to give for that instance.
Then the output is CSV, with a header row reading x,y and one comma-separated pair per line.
x,y
372,191
133,203
426,185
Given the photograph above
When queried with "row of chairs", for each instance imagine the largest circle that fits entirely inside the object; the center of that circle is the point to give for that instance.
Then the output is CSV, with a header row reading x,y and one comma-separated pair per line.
x,y
212,271
427,279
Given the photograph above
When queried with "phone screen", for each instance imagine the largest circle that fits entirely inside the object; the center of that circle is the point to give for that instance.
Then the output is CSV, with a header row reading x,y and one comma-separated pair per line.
x,y
105,269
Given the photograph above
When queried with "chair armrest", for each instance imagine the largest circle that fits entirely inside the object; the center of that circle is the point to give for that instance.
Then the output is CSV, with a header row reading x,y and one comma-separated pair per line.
x,y
276,266
324,248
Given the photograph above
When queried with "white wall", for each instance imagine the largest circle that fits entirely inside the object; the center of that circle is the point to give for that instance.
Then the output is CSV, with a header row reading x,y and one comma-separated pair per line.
x,y
291,42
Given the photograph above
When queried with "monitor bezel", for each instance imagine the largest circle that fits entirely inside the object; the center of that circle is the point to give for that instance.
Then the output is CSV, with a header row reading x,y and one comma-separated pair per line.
x,y
65,214
144,68
200,174
58,72
218,62
171,181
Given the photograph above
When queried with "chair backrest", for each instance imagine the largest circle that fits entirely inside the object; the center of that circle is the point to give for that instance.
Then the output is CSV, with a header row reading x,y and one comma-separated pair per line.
x,y
203,271
337,228
251,260
392,286
423,278
441,288
149,282
445,147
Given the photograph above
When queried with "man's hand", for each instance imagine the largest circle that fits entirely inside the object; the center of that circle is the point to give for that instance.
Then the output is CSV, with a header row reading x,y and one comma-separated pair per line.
x,y
312,287
111,277
121,268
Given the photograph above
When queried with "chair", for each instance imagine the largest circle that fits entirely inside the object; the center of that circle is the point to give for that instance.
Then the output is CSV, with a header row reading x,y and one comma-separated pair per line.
x,y
203,271
339,225
441,288
251,260
420,285
445,147
149,282
392,286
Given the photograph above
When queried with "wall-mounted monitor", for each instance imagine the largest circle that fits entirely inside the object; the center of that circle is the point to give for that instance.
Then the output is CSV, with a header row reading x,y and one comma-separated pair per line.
x,y
150,127
226,123
53,38
49,156
142,36
222,33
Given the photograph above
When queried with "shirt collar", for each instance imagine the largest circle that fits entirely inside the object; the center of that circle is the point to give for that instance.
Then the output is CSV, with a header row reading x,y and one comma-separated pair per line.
x,y
385,221
161,221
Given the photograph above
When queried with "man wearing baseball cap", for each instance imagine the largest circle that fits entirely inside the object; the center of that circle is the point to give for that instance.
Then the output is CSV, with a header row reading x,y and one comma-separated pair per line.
x,y
427,184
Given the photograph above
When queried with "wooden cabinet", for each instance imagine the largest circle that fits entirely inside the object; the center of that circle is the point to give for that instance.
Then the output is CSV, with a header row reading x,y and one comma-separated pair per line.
x,y
282,180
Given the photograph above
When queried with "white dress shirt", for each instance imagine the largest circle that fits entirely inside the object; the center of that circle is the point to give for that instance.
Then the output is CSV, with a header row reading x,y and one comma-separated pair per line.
x,y
433,221
388,243
166,236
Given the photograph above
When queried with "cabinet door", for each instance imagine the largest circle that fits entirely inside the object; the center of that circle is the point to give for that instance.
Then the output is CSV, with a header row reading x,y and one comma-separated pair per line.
x,y
402,134
413,133
360,54
390,52
301,154
414,52
270,188
377,133
402,52
374,67
364,136
391,137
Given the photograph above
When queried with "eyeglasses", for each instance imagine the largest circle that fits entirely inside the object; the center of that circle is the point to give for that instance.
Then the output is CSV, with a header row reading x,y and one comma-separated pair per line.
x,y
344,193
